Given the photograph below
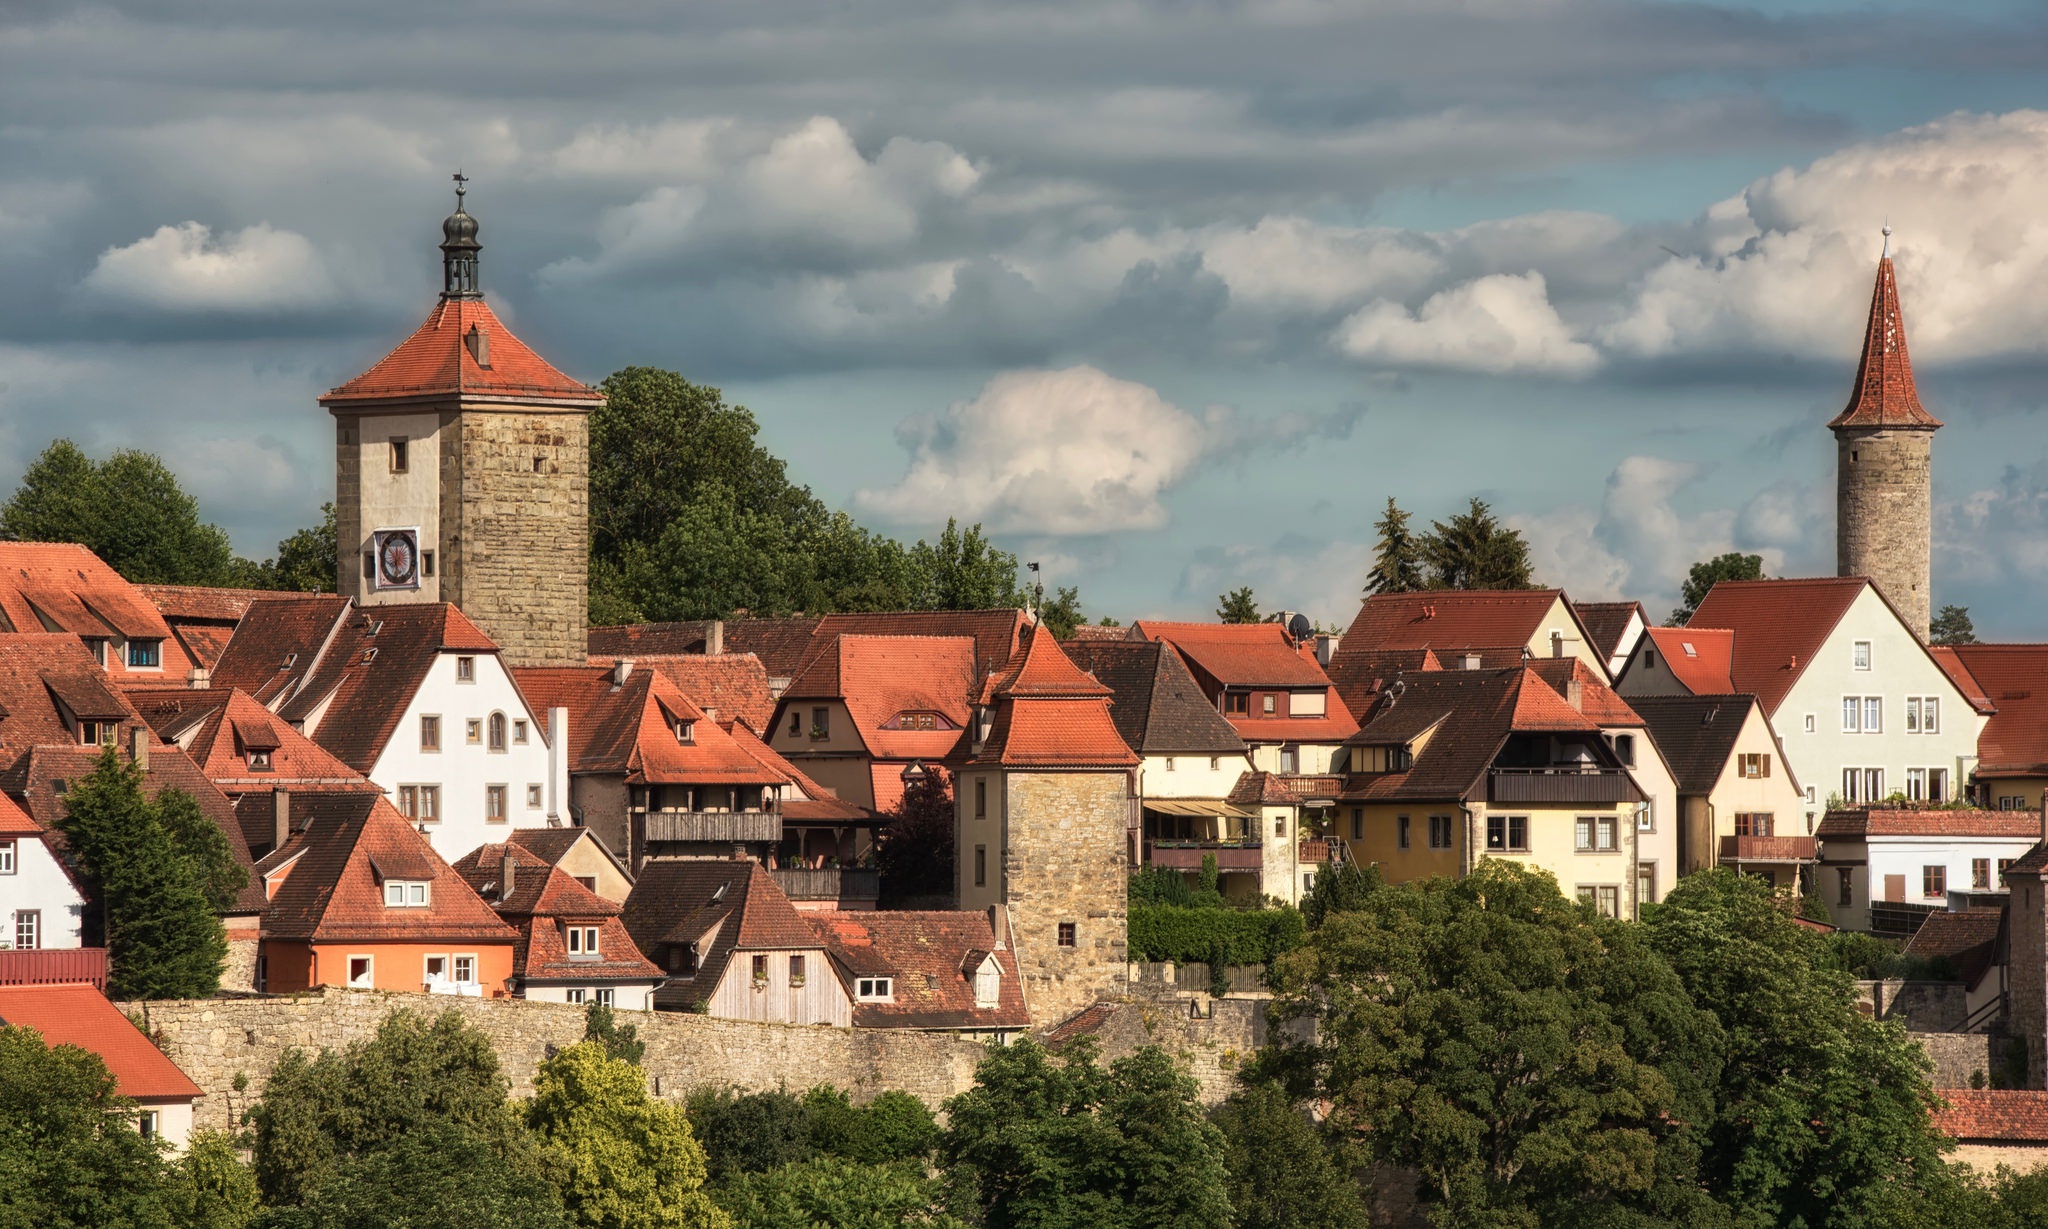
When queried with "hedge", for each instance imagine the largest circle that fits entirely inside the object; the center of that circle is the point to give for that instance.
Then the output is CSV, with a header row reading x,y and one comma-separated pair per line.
x,y
1212,936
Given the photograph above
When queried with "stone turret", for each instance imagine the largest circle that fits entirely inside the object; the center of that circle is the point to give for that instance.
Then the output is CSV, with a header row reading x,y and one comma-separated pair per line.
x,y
1884,498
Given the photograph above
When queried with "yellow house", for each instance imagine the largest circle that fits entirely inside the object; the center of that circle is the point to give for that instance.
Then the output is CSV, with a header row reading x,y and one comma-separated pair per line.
x,y
1739,803
1452,766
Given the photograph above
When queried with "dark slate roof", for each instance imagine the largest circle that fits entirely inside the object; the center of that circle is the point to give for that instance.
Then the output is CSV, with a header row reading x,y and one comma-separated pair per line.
x,y
1158,708
1606,621
780,643
277,644
1696,734
372,669
1967,938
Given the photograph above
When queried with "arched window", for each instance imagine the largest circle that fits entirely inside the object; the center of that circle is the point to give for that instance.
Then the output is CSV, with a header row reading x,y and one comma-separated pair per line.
x,y
497,731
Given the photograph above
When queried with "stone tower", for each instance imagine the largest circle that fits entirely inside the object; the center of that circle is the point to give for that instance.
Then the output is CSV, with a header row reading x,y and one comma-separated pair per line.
x,y
1884,445
462,472
1043,804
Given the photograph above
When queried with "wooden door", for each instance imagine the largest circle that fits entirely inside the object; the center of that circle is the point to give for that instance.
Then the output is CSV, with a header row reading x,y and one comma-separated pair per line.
x,y
1895,888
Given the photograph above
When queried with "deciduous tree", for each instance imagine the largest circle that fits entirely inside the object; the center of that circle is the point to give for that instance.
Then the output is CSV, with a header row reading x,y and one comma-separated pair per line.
x,y
893,1127
70,1156
1284,1171
631,1162
438,1175
129,510
831,1192
916,850
1063,613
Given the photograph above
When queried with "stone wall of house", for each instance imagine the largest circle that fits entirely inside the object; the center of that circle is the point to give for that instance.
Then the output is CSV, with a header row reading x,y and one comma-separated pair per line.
x,y
1922,1006
1064,864
515,512
240,974
1884,515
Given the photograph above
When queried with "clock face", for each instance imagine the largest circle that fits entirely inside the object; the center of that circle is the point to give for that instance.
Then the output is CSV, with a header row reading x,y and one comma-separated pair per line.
x,y
398,559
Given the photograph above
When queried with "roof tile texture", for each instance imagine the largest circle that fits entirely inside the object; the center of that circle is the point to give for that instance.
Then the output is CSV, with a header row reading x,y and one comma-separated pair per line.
x,y
1884,395
80,1015
435,360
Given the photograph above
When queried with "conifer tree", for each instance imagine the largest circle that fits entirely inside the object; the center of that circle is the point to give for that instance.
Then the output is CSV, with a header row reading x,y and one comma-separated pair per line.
x,y
1397,563
1473,550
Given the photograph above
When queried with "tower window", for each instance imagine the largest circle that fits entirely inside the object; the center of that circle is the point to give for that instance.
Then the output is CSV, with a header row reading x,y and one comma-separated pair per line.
x,y
400,454
1066,934
426,563
540,465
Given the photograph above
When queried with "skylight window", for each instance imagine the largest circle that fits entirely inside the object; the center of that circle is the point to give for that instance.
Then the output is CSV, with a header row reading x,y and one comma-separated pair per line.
x,y
1689,650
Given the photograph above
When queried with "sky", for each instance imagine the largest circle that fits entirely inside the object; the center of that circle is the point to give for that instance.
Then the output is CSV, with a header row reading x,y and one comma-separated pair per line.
x,y
1171,296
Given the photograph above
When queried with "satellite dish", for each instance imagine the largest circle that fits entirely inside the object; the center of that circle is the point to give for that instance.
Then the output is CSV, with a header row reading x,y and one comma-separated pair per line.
x,y
1300,628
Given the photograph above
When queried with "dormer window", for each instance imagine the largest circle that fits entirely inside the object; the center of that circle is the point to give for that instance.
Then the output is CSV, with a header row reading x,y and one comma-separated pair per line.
x,y
1236,704
145,654
988,984
97,647
406,893
581,942
259,761
98,733
874,989
686,731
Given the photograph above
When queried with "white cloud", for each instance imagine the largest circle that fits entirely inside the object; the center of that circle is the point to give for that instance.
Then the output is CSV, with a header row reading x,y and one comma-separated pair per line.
x,y
1321,579
185,268
1051,452
1499,324
1997,533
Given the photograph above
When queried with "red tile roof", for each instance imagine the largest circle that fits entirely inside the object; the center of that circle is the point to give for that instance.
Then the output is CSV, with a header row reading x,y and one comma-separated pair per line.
x,y
36,670
63,587
344,849
996,633
2016,825
1538,709
219,729
702,901
79,1015
629,728
1702,658
436,361
211,604
1883,395
16,822
1779,625
1966,938
2013,678
1239,654
1993,1116
1959,674
1443,619
932,958
1598,702
1048,714
544,898
733,684
880,678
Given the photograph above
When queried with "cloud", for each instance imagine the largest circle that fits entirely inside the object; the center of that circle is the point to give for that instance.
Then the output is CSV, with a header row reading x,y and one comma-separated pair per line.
x,y
1500,324
1323,579
185,268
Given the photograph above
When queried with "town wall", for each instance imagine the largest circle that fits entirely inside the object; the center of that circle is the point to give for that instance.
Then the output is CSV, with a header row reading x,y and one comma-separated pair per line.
x,y
1922,1006
1883,515
1064,862
1961,1060
515,513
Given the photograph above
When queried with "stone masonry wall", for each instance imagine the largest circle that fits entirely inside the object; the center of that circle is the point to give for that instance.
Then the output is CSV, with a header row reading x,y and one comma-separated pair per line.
x,y
515,514
1884,516
2026,1010
1064,862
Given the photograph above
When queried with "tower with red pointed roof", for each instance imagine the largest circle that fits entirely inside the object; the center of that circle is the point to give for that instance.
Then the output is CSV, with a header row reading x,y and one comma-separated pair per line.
x,y
462,472
1884,440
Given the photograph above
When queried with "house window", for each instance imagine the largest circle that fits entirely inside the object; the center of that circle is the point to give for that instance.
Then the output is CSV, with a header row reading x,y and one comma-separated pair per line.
x,y
1236,704
465,969
1594,833
1266,704
796,970
436,969
28,929
988,985
519,733
1625,749
497,727
465,669
821,723
1930,722
1980,873
400,454
1439,832
1357,823
605,996
405,893
473,731
1852,714
1507,833
1873,714
494,803
1401,830
582,941
873,989
148,1123
1215,762
1809,723
572,997
1290,759
981,866
145,654
1912,714
1279,825
1755,764
1873,784
1754,823
1845,885
1852,784
686,731
96,648
796,723
1646,884
760,970
1861,654
533,797
1933,881
1937,785
2002,864
361,972
1067,935
1649,659
980,798
6,857
98,733
1916,784
1811,792
1646,819
1604,899
420,802
430,732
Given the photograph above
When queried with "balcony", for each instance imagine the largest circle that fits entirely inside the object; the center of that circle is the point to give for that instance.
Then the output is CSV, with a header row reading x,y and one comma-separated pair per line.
x,y
44,966
719,826
1564,783
1317,850
1188,855
846,885
1757,850
1320,787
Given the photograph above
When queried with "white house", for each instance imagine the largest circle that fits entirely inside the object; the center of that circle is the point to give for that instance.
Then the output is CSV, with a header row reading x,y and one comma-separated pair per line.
x,y
40,905
1920,859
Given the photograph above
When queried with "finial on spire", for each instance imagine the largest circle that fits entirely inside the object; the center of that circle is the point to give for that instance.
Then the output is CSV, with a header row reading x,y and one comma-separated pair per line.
x,y
459,248
1887,232
462,180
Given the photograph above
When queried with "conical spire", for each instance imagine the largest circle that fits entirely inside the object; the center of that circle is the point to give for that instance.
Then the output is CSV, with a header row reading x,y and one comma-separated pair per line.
x,y
1884,395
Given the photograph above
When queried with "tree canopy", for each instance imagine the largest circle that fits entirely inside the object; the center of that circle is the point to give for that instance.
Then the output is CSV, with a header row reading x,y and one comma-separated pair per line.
x,y
631,1160
1237,606
1952,625
1397,565
1284,1172
68,1144
915,852
1474,550
1709,572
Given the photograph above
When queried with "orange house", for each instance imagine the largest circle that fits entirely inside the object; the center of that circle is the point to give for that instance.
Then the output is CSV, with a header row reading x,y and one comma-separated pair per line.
x,y
360,899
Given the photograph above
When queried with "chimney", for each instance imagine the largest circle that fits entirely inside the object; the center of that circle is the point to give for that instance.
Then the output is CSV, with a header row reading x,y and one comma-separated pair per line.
x,y
999,926
508,872
200,679
139,742
1326,647
621,671
1575,694
714,637
281,818
479,343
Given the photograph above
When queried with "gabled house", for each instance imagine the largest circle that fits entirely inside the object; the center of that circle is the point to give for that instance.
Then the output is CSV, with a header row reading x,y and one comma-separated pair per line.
x,y
1739,802
202,620
579,854
727,686
733,946
817,865
416,698
63,587
1453,766
1614,628
41,905
358,898
650,772
1886,869
1863,710
865,708
1533,623
572,946
1627,734
1270,689
949,972
779,644
78,1014
1680,661
2007,685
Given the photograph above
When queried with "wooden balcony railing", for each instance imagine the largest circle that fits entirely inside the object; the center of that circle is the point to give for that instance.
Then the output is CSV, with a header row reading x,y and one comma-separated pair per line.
x,y
1738,849
852,883
45,966
1561,784
711,825
1188,855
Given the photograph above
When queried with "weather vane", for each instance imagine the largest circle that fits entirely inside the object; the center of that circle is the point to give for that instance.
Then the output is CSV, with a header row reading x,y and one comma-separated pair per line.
x,y
460,180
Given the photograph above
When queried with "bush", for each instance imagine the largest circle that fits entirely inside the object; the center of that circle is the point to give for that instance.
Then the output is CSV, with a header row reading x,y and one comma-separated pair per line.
x,y
1213,936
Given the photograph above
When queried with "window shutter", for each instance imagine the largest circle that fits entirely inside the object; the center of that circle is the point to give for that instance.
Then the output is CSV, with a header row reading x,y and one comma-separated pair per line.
x,y
1765,760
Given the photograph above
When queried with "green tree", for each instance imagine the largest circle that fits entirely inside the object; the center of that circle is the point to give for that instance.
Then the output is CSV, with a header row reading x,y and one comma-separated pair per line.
x,y
915,852
438,1175
414,1076
631,1161
1237,606
1952,626
1706,574
1533,1063
621,1041
1284,1173
129,510
1397,565
895,1126
306,561
1820,1110
210,1187
1338,889
1063,614
749,1132
831,1192
964,571
1053,1141
1473,550
156,872
69,1150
